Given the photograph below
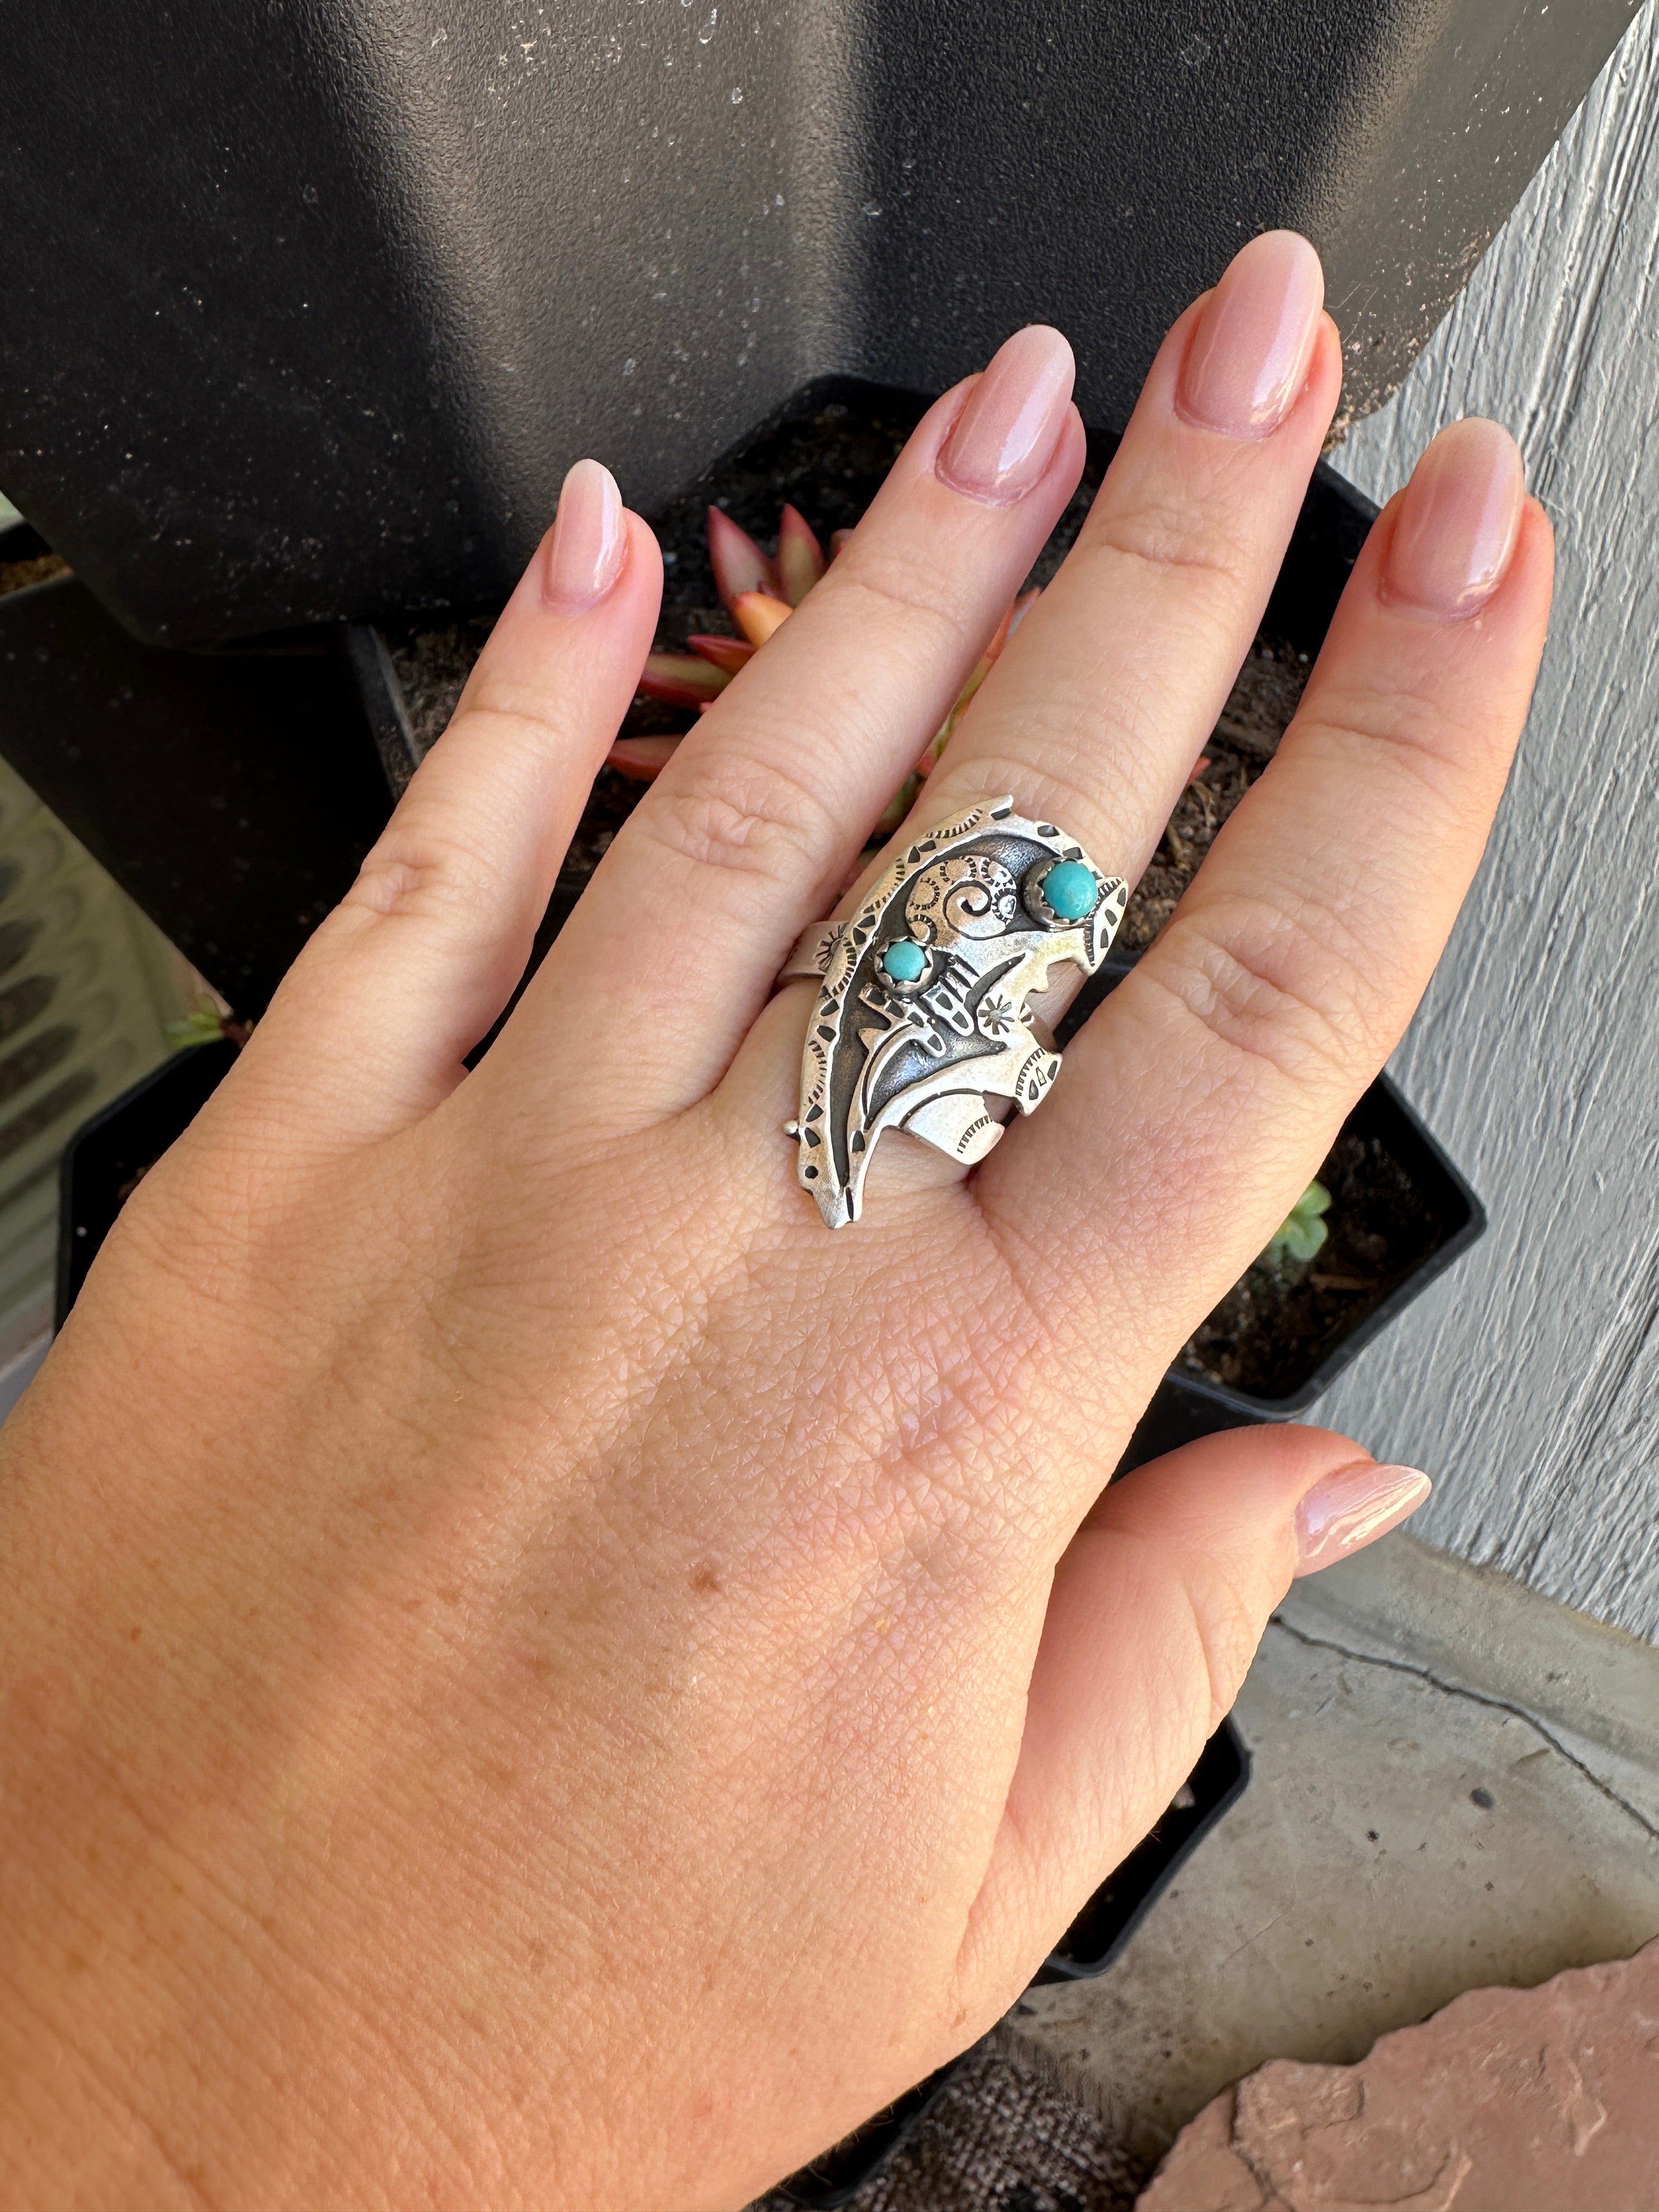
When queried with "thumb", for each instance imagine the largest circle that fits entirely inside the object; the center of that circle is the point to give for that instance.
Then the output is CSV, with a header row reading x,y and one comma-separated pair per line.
x,y
1154,1616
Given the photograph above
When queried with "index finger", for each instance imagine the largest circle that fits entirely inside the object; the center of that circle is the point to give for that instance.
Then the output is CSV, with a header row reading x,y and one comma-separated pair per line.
x,y
1198,1101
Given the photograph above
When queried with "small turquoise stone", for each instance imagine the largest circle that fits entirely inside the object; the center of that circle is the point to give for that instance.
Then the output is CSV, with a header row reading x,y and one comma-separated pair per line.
x,y
904,962
1070,889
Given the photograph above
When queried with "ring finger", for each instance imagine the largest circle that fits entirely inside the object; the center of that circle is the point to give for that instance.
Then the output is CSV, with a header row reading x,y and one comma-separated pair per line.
x,y
749,832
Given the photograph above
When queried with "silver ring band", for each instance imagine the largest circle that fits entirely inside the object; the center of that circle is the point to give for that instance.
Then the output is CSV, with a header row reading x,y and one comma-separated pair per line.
x,y
811,954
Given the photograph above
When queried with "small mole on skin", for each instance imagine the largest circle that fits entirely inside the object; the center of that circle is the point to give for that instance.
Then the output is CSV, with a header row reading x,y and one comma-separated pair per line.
x,y
704,1578
133,1634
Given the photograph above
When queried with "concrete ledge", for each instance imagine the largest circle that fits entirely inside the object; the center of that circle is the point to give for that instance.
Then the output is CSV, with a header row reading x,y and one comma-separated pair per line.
x,y
1594,1687
1456,1785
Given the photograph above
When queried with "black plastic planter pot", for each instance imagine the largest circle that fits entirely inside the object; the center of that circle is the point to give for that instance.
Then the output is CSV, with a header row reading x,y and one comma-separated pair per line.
x,y
310,306
231,795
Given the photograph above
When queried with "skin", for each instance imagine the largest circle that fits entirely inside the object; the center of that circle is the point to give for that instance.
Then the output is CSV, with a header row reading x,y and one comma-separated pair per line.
x,y
536,1675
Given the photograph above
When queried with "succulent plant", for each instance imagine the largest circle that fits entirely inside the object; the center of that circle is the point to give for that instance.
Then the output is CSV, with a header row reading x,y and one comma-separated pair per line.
x,y
760,592
206,1022
201,1025
1301,1236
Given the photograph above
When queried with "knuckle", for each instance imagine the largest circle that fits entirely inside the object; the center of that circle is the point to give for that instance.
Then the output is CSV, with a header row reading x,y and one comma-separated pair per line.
x,y
885,590
1051,765
492,703
740,815
1228,1627
1167,537
1052,785
1424,735
1273,984
416,872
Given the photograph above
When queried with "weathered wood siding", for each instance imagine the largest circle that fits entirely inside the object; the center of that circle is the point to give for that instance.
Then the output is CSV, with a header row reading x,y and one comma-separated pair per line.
x,y
1527,1382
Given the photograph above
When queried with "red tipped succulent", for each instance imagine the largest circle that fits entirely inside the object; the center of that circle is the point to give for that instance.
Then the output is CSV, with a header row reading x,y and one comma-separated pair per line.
x,y
683,679
727,652
758,614
759,593
800,557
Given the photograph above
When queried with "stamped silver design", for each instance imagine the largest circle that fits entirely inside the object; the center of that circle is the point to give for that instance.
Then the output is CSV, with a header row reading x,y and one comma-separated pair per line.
x,y
922,1021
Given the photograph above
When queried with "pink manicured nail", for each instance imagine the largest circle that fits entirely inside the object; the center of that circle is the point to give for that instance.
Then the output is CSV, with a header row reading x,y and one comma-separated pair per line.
x,y
590,539
1352,1508
1249,356
1005,437
1457,525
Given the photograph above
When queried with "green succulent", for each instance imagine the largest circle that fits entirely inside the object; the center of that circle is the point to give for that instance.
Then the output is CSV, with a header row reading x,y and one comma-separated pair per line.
x,y
1301,1236
204,1026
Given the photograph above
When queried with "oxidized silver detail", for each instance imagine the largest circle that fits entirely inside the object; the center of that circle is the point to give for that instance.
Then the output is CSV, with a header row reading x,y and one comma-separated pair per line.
x,y
811,954
931,1053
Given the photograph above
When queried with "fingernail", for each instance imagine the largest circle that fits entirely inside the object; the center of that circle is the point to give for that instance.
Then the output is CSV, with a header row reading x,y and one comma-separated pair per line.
x,y
1457,525
1005,437
1352,1508
590,539
1249,356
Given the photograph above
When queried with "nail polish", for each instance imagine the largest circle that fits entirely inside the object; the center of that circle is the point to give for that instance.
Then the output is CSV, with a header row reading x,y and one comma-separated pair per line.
x,y
1456,526
1249,356
590,539
1352,1508
1004,438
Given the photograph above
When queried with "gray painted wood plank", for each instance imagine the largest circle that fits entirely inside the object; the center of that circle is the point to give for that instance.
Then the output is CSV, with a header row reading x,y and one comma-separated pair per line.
x,y
1528,1381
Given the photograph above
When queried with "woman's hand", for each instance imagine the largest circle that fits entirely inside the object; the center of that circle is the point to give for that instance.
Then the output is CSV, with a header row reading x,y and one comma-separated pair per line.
x,y
534,1674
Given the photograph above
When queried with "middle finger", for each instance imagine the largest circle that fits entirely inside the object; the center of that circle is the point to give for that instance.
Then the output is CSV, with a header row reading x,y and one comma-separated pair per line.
x,y
1093,717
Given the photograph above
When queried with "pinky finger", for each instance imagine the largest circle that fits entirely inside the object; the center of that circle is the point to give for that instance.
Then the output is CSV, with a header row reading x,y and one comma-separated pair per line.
x,y
370,1028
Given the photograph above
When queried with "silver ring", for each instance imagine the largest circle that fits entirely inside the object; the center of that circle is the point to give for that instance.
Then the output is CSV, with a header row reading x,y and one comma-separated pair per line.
x,y
931,1004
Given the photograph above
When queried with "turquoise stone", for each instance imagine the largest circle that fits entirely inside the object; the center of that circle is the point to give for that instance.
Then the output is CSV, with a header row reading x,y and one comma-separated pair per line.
x,y
904,962
1070,889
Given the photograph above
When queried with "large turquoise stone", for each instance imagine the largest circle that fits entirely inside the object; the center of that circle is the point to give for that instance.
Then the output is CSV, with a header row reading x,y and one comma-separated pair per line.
x,y
1070,889
904,961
